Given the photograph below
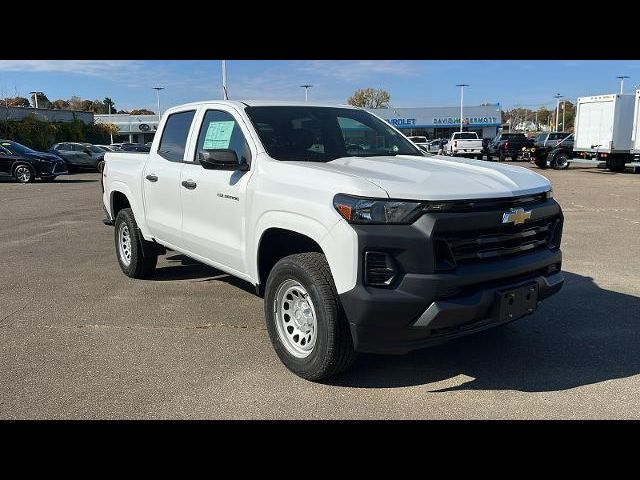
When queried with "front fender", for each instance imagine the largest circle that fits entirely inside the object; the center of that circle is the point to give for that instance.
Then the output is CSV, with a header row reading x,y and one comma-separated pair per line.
x,y
338,251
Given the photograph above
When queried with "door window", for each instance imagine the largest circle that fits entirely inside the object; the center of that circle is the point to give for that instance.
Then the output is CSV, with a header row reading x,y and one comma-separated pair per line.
x,y
174,136
219,130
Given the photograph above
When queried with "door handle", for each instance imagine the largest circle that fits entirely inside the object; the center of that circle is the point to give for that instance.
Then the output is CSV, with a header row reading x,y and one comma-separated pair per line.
x,y
190,184
152,178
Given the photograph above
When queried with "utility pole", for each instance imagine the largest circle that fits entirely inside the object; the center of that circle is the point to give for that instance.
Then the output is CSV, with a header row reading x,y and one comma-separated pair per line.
x,y
622,77
225,95
461,85
35,98
157,89
563,109
110,134
306,91
557,96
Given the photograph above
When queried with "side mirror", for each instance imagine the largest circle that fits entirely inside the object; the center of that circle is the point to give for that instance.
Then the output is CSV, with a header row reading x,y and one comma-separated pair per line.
x,y
221,159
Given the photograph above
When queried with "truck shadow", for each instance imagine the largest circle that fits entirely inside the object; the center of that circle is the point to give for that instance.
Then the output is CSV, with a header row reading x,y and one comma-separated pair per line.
x,y
182,267
583,335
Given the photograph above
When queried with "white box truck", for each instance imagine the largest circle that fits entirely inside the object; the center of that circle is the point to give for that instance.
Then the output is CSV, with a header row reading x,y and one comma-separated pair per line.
x,y
635,136
603,128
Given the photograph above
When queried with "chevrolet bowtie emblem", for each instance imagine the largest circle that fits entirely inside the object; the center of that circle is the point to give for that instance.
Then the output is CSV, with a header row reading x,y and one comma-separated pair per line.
x,y
517,216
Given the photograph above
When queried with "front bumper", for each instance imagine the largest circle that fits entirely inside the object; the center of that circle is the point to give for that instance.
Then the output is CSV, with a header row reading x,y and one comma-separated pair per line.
x,y
426,305
447,319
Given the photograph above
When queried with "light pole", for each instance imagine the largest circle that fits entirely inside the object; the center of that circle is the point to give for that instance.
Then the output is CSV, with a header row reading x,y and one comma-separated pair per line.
x,y
157,89
622,77
557,96
306,91
461,85
35,98
225,95
563,110
110,134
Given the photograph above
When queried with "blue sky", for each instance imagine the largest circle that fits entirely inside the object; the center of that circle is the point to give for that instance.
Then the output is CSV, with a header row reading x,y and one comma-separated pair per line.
x,y
411,83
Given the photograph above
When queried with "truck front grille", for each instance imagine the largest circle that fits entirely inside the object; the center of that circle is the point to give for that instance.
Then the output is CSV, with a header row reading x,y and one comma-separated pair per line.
x,y
475,246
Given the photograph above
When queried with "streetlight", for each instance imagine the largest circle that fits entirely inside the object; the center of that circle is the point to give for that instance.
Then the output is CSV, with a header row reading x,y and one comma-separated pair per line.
x,y
157,89
110,134
225,96
35,98
557,96
461,85
622,77
306,91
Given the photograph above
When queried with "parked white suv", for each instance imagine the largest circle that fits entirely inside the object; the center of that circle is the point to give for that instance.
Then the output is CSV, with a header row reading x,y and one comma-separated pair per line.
x,y
357,241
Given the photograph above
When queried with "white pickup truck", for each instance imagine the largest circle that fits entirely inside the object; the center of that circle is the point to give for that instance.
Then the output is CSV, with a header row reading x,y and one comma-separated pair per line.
x,y
357,241
465,144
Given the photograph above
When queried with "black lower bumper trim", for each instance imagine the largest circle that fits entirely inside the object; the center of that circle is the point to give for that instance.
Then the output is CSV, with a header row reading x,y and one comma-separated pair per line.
x,y
445,320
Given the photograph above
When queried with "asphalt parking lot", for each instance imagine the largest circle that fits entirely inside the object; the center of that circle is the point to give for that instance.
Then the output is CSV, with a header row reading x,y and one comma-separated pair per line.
x,y
78,339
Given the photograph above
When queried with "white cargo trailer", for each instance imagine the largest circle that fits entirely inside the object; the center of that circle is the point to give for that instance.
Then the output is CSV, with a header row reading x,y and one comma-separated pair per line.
x,y
603,129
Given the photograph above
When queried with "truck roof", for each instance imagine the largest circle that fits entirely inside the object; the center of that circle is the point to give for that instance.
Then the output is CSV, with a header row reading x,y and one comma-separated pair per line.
x,y
266,103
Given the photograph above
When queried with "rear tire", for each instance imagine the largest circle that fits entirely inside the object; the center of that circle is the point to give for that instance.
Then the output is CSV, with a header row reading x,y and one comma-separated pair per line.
x,y
560,161
128,240
302,308
616,165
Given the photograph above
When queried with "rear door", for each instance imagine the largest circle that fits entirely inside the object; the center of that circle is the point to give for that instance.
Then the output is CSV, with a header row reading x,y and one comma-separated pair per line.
x,y
161,179
82,158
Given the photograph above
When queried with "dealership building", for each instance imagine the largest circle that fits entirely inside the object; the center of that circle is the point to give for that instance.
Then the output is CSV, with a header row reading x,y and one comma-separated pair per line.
x,y
131,128
441,122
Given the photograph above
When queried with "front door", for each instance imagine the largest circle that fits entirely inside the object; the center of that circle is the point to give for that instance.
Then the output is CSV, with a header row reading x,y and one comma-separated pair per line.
x,y
6,160
161,179
213,201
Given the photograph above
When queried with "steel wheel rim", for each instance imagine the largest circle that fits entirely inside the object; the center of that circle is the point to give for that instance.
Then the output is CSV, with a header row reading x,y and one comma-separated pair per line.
x,y
296,320
124,244
23,174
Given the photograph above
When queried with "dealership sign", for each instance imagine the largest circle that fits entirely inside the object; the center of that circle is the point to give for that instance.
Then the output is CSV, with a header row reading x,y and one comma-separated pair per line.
x,y
467,120
443,121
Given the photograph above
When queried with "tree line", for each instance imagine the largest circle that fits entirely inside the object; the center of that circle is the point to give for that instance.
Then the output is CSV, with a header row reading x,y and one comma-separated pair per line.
x,y
73,103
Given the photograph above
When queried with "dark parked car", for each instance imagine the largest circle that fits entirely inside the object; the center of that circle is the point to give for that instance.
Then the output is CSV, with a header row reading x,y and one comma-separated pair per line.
x,y
133,147
508,145
553,152
79,156
25,164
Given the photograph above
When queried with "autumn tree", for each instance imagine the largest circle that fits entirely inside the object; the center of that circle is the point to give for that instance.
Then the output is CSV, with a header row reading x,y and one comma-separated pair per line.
x,y
60,104
141,111
16,102
370,98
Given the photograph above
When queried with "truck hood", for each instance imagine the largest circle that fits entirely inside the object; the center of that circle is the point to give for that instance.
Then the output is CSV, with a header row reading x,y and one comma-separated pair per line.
x,y
439,178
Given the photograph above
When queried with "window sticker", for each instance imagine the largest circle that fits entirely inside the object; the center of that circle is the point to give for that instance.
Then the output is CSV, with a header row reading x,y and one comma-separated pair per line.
x,y
218,135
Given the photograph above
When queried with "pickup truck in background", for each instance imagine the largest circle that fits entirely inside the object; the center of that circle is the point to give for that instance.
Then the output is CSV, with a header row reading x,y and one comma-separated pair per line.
x,y
355,239
508,145
553,150
466,144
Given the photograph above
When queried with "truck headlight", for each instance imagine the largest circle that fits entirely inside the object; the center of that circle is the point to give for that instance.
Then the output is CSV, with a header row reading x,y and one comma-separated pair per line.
x,y
377,211
549,193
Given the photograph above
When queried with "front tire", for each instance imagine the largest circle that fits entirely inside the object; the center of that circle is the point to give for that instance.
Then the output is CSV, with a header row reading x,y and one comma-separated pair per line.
x,y
131,257
23,173
305,320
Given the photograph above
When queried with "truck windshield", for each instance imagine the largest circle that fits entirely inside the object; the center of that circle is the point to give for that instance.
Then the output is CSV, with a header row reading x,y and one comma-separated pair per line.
x,y
322,134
